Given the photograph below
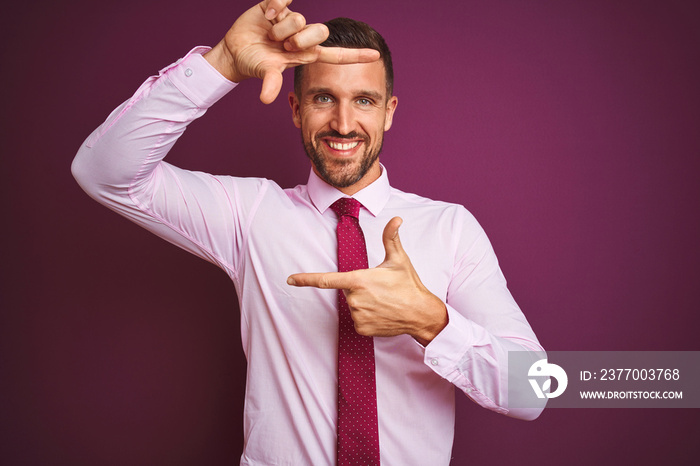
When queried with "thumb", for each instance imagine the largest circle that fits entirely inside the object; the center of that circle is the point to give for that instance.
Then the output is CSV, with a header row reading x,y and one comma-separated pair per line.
x,y
391,240
271,86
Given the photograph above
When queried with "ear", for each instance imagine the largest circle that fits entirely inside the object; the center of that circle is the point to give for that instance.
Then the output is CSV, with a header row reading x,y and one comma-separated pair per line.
x,y
296,114
390,109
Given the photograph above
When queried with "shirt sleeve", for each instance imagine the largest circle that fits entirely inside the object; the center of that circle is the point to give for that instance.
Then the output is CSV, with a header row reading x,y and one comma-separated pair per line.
x,y
121,164
485,324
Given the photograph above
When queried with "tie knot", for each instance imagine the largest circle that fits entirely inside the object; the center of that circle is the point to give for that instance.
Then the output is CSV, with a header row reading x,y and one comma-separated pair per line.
x,y
346,206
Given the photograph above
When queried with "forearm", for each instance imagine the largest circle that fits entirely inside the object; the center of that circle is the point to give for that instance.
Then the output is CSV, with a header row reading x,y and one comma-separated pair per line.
x,y
121,164
123,153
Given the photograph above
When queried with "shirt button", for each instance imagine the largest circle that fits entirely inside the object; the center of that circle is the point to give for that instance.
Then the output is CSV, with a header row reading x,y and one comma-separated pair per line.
x,y
188,72
468,390
434,362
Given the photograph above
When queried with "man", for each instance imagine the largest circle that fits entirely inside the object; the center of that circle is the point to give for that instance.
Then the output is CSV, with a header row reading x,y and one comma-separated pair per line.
x,y
433,306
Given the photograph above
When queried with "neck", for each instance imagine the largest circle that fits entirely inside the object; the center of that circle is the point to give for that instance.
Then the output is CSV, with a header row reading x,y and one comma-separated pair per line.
x,y
370,177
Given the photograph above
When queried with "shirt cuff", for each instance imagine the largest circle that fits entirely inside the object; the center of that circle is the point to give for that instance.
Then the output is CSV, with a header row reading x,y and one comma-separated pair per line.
x,y
200,82
447,349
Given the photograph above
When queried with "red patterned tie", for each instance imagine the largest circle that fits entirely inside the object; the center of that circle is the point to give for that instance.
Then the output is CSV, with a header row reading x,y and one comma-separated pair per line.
x,y
358,437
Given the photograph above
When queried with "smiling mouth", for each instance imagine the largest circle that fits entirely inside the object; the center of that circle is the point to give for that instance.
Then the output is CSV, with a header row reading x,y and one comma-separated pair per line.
x,y
342,145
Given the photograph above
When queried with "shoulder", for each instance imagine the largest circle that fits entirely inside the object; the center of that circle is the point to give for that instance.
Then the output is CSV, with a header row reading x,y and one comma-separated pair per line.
x,y
447,223
440,211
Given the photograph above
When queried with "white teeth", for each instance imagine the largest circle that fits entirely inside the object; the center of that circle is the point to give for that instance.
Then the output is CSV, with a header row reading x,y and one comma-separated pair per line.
x,y
339,146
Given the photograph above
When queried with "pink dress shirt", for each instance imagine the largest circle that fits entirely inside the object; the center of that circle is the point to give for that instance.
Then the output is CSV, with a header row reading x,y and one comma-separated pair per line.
x,y
259,234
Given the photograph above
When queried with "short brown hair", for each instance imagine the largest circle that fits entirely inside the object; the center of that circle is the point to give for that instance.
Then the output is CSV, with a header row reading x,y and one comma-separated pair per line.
x,y
353,34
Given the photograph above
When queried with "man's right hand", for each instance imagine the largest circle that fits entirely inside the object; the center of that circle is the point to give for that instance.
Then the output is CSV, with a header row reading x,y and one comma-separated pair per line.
x,y
269,38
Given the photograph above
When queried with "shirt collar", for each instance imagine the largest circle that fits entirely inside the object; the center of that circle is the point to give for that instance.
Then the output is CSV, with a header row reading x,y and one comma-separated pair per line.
x,y
373,197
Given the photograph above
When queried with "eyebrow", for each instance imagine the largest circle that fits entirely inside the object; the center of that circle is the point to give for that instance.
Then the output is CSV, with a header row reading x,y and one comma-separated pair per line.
x,y
362,92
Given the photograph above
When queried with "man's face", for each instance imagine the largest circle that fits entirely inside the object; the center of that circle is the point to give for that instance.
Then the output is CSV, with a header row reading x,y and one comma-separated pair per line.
x,y
342,112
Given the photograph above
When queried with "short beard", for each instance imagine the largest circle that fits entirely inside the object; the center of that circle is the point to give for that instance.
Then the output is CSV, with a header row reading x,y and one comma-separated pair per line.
x,y
342,177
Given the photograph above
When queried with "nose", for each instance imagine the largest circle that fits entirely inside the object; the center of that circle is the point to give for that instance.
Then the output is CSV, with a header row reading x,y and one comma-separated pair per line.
x,y
343,120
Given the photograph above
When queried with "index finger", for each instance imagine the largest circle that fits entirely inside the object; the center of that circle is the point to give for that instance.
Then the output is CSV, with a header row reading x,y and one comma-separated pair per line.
x,y
310,38
342,55
328,280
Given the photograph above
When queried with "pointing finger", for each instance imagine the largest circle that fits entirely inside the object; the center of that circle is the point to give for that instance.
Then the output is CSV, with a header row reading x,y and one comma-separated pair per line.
x,y
329,280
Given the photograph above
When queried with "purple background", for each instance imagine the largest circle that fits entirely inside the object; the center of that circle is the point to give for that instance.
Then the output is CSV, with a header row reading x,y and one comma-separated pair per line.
x,y
569,128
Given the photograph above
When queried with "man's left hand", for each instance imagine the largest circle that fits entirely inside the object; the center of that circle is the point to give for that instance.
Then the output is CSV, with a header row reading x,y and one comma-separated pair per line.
x,y
389,299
